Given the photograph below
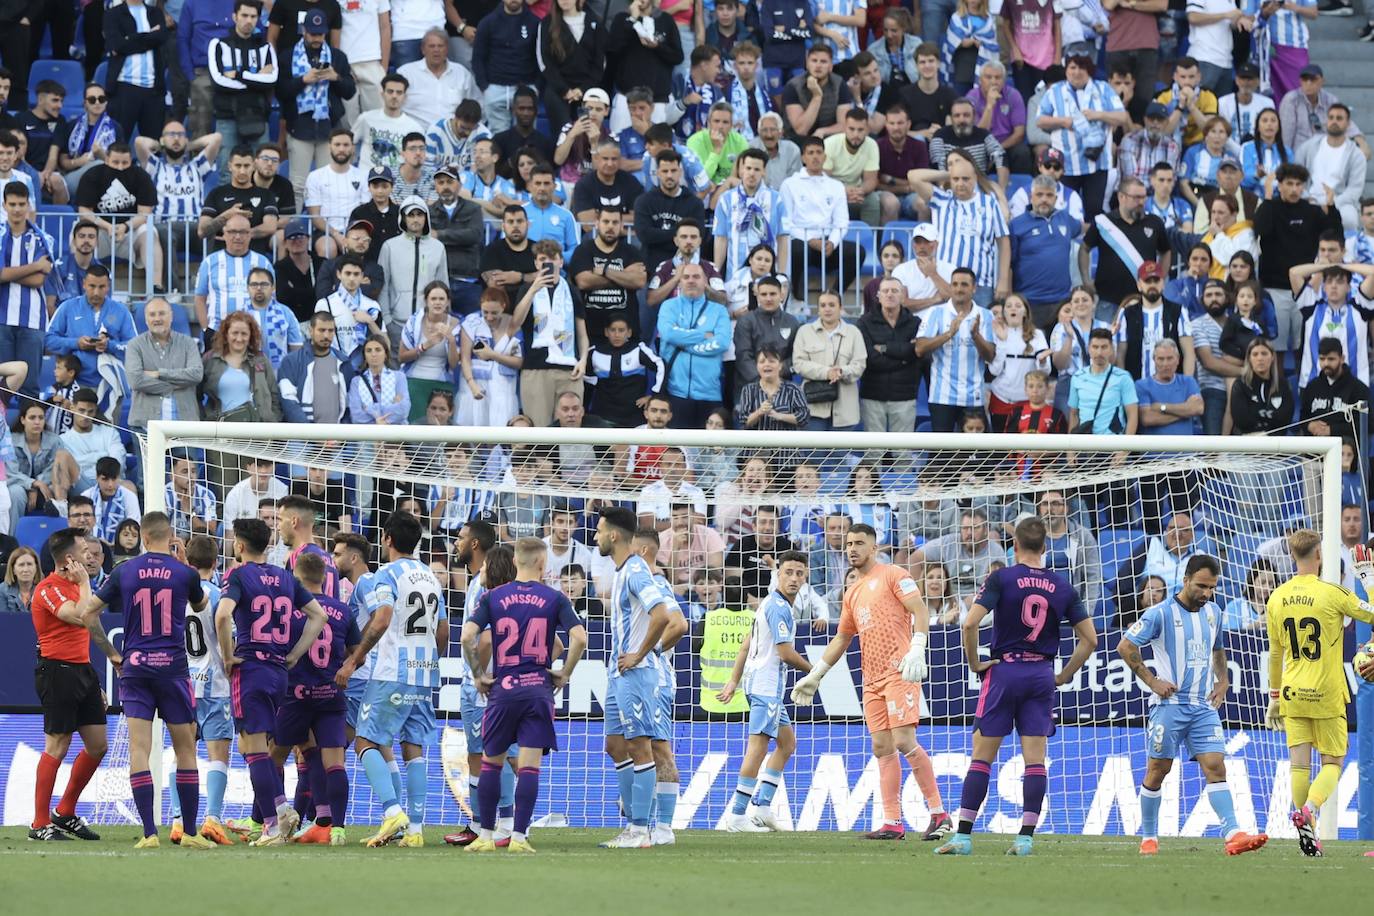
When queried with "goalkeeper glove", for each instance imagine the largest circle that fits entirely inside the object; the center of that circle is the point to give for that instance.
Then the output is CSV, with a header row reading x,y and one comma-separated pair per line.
x,y
1364,566
805,689
913,664
1272,719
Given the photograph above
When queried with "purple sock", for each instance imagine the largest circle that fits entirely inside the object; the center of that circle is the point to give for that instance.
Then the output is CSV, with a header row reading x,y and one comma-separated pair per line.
x,y
319,788
526,794
1033,788
279,793
263,775
258,813
336,779
188,794
302,800
488,795
142,786
974,792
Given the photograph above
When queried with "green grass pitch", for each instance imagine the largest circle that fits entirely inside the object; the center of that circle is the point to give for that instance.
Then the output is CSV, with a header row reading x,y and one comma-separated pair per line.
x,y
706,873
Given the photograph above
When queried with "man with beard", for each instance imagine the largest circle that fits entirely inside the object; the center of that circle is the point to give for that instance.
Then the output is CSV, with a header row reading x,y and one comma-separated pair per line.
x,y
508,262
458,223
179,170
1050,163
239,198
1327,396
357,240
1289,227
1146,323
1143,149
851,158
332,191
607,270
1337,164
1136,237
524,109
1213,369
266,162
116,188
962,133
69,273
1041,245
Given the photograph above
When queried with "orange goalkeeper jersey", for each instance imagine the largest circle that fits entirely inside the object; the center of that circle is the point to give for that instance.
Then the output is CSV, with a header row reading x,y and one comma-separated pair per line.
x,y
873,609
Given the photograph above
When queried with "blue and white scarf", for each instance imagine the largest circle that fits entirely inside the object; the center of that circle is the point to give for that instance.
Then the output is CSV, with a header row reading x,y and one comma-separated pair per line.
x,y
314,98
86,136
750,218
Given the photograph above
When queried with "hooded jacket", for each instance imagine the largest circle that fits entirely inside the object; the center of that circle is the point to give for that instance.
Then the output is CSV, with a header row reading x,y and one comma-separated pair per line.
x,y
410,263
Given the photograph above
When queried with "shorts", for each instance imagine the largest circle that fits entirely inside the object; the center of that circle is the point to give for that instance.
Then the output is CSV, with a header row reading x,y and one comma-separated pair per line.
x,y
70,695
891,703
1174,726
124,248
1331,736
353,700
767,715
392,710
214,720
297,720
637,704
667,695
471,706
256,690
146,697
611,710
1019,694
524,721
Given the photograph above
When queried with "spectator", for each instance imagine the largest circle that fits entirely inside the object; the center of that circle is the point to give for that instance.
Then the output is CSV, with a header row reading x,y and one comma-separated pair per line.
x,y
887,387
59,394
1288,228
21,578
748,96
179,171
378,394
357,241
137,44
522,134
1190,105
379,134
115,188
606,186
281,332
296,272
695,333
607,270
1241,109
1210,29
787,29
970,217
647,45
1303,111
1262,155
457,223
504,58
508,261
28,261
12,166
83,142
491,360
29,471
200,22
689,548
659,211
925,276
1174,212
866,88
379,211
312,94
239,197
1228,235
244,70
695,92
1147,318
851,158
1328,401
718,144
1069,341
1250,612
112,502
315,379
1337,310
572,56
928,100
222,281
1070,548
429,350
547,220
815,217
80,447
767,327
970,42
415,177
40,126
266,165
578,139
749,213
1042,241
191,506
1168,404
1260,401
437,84
413,20
962,134
1035,415
1019,347
1138,234
961,352
164,369
1108,389
409,262
91,326
770,402
895,51
1049,163
1080,114
360,37
332,191
967,553
1337,166
830,356
1144,149
356,316
729,30
657,498
815,102
1031,31
619,370
1001,110
1214,368
784,156
258,485
898,154
553,322
238,383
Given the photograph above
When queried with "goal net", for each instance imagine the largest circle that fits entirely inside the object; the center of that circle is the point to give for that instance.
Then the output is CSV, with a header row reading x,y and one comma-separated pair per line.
x,y
1124,514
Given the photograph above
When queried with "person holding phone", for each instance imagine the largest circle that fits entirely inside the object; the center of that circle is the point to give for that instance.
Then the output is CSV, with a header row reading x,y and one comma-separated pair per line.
x,y
553,321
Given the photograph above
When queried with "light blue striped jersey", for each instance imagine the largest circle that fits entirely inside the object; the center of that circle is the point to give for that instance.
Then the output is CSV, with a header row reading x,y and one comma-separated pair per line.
x,y
138,66
850,33
23,306
281,331
765,675
748,221
442,145
406,653
474,594
1359,247
969,230
358,601
1199,165
480,190
1062,100
202,647
956,369
1181,644
180,185
1285,28
223,281
667,674
634,593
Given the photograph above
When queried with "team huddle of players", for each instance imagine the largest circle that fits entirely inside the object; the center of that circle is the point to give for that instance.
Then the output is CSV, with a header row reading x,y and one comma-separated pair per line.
x,y
324,653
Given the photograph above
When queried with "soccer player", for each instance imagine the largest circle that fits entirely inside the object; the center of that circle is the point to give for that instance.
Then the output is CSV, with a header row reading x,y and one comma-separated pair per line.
x,y
253,623
68,687
1028,605
409,627
762,664
524,615
1307,684
1184,635
884,608
152,591
639,610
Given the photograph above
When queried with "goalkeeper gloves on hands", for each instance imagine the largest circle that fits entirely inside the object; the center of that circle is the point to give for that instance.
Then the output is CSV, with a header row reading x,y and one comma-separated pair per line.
x,y
913,664
1364,566
1272,719
805,689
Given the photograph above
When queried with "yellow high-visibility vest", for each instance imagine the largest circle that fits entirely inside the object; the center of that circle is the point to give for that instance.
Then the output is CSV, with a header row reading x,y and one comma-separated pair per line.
x,y
724,634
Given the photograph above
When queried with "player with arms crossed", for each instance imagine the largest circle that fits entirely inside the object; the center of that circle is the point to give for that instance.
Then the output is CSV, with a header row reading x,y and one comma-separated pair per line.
x,y
315,709
1184,636
1028,604
409,626
881,609
640,610
253,623
761,665
152,591
523,617
1307,685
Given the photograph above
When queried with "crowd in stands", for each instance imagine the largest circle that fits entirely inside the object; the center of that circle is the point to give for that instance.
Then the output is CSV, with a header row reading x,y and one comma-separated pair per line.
x,y
1026,217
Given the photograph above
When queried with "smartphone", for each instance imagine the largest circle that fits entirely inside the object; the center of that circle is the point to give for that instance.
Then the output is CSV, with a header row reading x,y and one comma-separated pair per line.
x,y
479,345
547,270
581,112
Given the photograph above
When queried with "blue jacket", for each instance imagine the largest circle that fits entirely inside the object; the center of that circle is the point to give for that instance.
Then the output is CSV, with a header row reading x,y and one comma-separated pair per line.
x,y
75,319
1040,247
296,379
503,51
695,360
201,20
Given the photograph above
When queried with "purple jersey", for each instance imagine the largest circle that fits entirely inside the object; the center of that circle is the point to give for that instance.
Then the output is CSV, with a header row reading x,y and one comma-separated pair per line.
x,y
321,662
523,617
331,572
264,596
1028,606
152,591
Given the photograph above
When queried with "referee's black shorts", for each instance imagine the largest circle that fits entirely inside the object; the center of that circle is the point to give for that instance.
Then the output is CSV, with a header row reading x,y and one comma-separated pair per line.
x,y
70,695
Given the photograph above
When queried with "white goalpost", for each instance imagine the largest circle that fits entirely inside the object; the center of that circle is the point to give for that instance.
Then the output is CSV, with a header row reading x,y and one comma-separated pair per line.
x,y
1127,512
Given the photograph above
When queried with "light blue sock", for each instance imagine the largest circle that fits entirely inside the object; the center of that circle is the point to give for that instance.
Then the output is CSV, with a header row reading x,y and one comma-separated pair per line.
x,y
768,785
472,797
216,781
666,796
624,776
642,793
374,767
172,793
1219,794
395,769
744,790
507,788
1149,813
417,787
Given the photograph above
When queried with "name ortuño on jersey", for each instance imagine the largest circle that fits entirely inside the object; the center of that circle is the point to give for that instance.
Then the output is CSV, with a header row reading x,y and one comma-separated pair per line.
x,y
1182,643
313,676
264,598
1028,606
634,593
153,591
406,653
765,675
523,618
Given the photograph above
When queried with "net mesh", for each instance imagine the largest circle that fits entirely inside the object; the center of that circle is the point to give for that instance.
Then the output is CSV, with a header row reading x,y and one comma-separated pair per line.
x,y
1121,526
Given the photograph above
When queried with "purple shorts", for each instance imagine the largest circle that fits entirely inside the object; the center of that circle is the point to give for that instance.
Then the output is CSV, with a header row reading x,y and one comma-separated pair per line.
x,y
1019,693
172,698
298,719
256,691
526,721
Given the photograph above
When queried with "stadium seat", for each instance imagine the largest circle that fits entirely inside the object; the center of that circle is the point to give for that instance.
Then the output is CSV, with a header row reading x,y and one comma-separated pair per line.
x,y
57,220
33,530
102,73
1115,545
1018,183
181,323
864,236
46,370
899,231
67,72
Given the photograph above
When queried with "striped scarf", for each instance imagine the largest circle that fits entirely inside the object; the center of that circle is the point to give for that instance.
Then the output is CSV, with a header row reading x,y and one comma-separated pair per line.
x,y
86,136
314,98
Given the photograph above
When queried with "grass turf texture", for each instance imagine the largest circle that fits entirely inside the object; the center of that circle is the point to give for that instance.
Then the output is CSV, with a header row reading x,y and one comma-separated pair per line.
x,y
706,872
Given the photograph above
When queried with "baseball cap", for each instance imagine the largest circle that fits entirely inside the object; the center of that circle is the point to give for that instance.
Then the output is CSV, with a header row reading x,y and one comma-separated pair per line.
x,y
380,173
1228,163
448,169
1247,71
315,22
1156,110
1214,284
597,95
1149,271
297,228
361,224
1311,70
925,232
1051,156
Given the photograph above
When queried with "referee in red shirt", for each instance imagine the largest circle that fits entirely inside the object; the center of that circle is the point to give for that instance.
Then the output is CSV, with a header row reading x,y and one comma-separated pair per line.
x,y
68,687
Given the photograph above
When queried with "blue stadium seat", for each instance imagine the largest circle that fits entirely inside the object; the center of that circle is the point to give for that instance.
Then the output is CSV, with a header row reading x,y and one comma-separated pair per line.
x,y
69,73
181,323
102,74
866,237
899,231
46,370
57,220
1017,183
1116,546
33,530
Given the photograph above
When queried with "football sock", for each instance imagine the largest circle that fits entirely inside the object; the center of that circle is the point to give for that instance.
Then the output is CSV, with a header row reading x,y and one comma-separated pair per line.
x,y
744,791
1323,787
263,775
141,785
172,795
972,795
890,784
1149,812
768,787
375,769
488,795
417,788
303,799
395,769
83,768
644,780
216,781
624,776
48,765
259,816
1301,780
188,794
526,794
507,788
1219,794
336,790
319,788
666,796
920,764
472,797
1033,789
